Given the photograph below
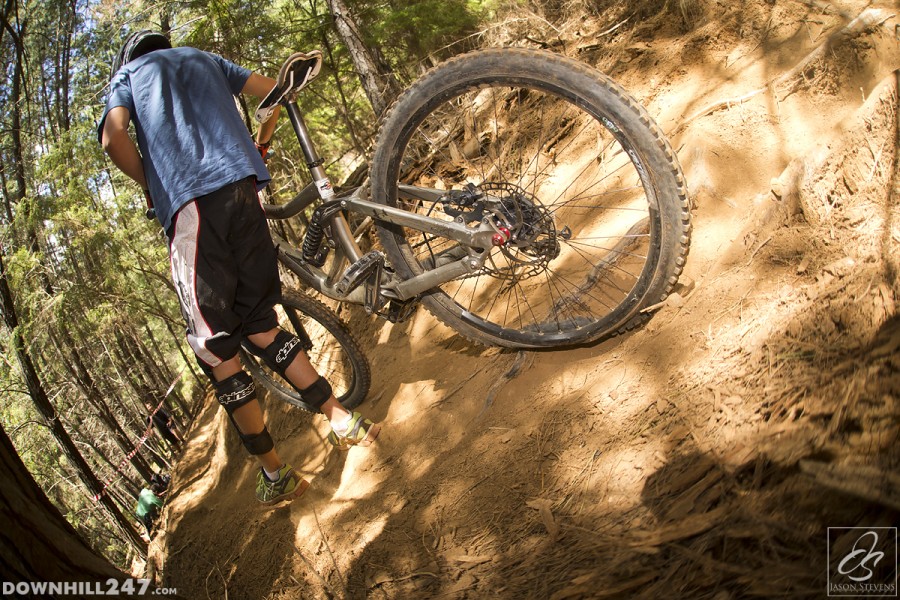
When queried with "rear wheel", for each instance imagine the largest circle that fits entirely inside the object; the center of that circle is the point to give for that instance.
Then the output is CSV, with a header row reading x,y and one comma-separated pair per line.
x,y
584,191
335,354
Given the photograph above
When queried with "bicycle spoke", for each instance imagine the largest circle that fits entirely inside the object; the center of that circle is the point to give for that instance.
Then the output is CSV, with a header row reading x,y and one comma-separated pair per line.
x,y
565,176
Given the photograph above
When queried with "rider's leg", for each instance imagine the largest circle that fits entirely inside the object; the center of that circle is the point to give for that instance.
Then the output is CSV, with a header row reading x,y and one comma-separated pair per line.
x,y
225,270
248,418
284,353
302,375
235,391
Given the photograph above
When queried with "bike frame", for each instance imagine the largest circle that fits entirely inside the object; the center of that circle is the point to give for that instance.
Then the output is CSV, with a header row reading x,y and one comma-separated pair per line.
x,y
341,238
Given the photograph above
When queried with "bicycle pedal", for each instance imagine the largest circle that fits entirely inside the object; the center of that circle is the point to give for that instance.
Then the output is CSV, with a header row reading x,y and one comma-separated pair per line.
x,y
360,271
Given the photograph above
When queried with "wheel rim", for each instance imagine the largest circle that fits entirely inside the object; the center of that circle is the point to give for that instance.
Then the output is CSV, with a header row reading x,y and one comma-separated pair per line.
x,y
588,198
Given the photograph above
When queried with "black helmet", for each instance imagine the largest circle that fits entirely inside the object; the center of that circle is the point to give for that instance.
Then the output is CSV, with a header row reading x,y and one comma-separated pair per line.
x,y
139,44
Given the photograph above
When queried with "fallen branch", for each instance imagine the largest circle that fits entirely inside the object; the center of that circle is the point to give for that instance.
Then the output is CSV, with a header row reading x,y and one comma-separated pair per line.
x,y
462,383
329,591
825,7
330,553
590,47
386,580
687,527
872,484
512,373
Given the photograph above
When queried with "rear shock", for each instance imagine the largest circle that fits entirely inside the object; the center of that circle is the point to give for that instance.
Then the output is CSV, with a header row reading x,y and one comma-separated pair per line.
x,y
315,233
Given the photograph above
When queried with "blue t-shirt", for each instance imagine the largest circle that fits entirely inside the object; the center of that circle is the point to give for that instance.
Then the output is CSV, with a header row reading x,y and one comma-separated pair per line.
x,y
190,133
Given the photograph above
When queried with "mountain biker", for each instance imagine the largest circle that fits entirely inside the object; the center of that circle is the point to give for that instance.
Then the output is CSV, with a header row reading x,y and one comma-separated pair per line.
x,y
201,170
165,425
149,502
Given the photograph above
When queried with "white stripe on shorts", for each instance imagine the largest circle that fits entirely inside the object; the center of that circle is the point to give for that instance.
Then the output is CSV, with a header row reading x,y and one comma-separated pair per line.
x,y
183,257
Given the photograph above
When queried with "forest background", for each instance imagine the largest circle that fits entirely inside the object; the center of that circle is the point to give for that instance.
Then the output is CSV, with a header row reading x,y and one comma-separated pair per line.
x,y
704,455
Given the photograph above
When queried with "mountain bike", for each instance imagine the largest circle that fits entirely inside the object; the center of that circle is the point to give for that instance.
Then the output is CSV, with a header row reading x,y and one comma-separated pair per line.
x,y
524,198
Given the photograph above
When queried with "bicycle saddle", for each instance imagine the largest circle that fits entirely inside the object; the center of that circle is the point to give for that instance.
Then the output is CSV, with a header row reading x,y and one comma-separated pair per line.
x,y
298,70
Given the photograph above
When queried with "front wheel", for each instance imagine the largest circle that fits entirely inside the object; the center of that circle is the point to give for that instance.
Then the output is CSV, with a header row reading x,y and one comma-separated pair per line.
x,y
334,354
587,197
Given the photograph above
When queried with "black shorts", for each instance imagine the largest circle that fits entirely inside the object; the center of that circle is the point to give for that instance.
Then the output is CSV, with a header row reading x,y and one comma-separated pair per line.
x,y
225,270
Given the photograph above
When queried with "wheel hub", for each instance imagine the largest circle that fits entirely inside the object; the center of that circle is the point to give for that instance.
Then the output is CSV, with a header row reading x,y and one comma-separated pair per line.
x,y
525,230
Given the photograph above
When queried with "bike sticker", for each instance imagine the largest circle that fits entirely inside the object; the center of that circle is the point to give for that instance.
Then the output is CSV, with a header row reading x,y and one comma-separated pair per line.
x,y
325,189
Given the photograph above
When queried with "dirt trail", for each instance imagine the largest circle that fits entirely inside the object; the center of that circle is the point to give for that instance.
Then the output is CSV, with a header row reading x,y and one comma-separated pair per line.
x,y
696,457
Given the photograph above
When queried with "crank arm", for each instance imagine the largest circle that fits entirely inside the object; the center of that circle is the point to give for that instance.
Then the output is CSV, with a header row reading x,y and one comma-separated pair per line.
x,y
315,278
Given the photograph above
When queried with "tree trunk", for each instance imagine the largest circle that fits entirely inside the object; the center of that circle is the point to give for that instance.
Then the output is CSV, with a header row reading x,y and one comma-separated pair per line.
x,y
84,380
38,543
15,101
152,358
167,375
48,413
378,82
156,454
131,485
178,339
129,369
345,107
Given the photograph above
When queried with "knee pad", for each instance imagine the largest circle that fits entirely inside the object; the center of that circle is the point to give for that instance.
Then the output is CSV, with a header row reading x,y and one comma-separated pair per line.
x,y
281,352
235,391
257,443
317,394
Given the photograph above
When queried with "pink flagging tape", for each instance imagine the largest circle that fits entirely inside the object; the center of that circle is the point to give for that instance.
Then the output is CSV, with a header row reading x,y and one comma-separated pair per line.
x,y
140,442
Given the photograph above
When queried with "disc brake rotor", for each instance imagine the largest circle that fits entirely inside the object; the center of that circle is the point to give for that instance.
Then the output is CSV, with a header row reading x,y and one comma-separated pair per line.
x,y
527,235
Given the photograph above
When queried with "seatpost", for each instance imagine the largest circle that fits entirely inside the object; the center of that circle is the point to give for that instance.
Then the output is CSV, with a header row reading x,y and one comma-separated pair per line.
x,y
309,152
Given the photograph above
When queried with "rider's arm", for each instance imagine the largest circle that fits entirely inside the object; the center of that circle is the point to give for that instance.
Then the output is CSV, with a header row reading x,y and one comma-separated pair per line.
x,y
259,86
117,143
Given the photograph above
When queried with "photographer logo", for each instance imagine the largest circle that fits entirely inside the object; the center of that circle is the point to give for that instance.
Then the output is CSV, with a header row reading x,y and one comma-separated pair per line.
x,y
862,561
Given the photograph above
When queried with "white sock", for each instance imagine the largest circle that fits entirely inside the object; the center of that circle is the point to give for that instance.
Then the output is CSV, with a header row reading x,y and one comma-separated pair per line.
x,y
271,475
340,426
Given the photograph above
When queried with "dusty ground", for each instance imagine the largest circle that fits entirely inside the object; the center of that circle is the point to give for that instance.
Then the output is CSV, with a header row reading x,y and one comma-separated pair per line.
x,y
696,457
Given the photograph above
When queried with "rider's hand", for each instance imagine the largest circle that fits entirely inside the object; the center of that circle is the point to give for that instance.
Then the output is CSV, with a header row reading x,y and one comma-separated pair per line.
x,y
151,212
